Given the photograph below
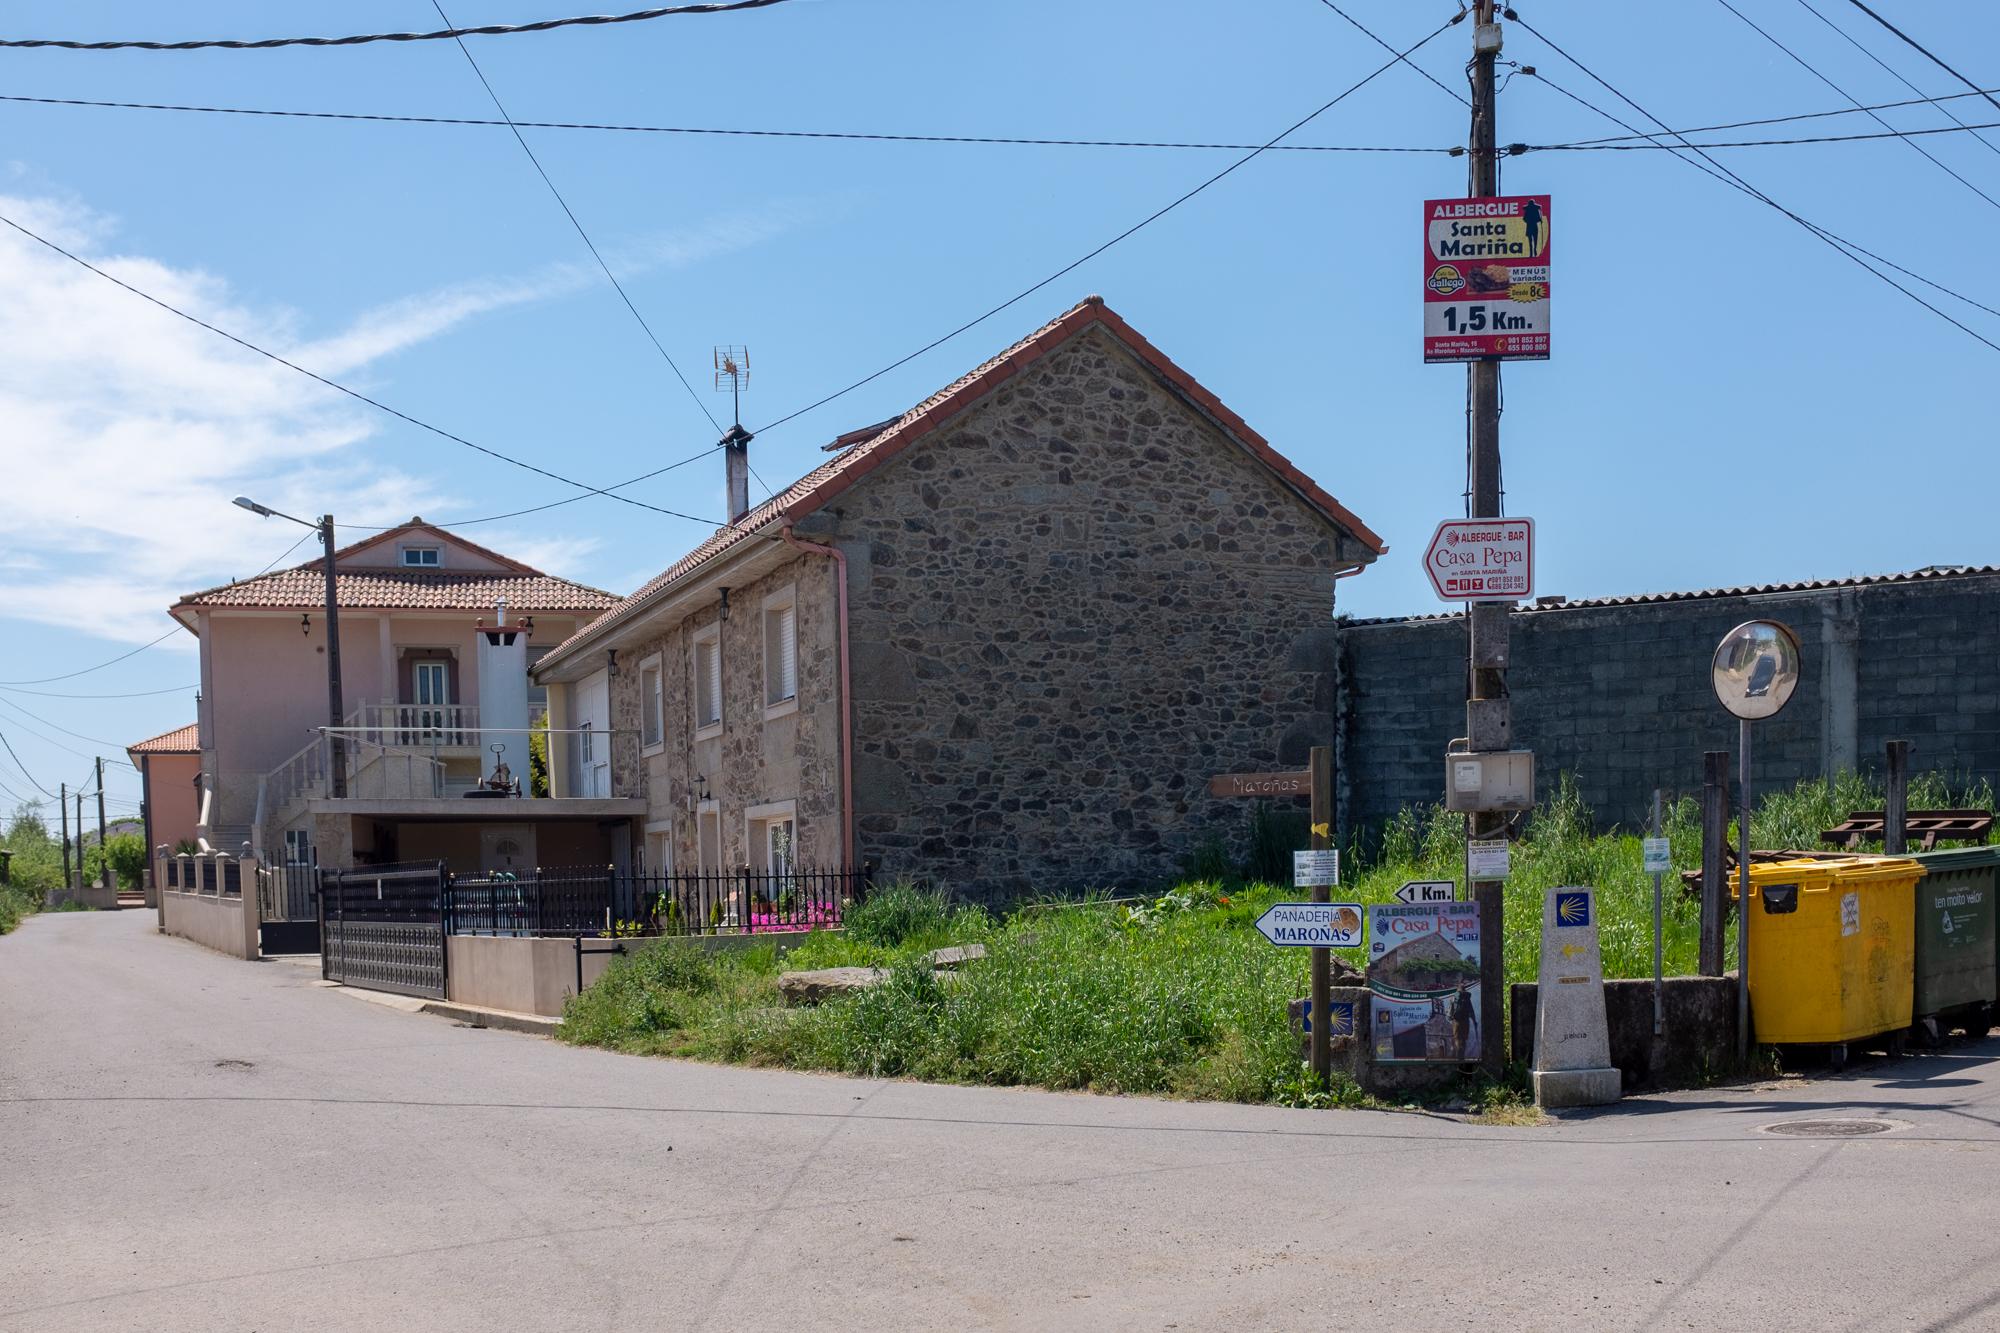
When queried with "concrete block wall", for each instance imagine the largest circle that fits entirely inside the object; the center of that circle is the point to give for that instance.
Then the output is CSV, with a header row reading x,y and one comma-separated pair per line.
x,y
1619,694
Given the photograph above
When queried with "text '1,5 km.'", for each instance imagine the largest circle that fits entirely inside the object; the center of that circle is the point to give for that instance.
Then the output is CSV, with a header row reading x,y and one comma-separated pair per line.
x,y
1486,279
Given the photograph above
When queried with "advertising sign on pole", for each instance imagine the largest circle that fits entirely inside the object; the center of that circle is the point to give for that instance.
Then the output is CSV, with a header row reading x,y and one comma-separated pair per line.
x,y
1423,972
1315,868
1482,559
1312,925
1487,859
1486,279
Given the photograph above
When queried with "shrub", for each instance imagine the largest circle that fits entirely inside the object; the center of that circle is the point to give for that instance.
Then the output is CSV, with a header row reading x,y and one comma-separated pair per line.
x,y
899,913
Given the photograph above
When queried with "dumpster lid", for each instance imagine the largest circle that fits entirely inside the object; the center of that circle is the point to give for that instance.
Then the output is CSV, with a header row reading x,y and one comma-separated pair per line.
x,y
1958,858
1822,872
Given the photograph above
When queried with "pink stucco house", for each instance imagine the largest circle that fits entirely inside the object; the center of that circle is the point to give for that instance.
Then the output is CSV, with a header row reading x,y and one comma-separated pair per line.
x,y
436,634
170,768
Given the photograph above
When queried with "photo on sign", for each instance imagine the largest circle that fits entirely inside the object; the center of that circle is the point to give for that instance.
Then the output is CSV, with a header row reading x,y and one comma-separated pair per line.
x,y
1423,972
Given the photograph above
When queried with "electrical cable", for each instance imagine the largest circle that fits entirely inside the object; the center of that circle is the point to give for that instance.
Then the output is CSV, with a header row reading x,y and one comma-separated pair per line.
x,y
1140,225
1811,69
1011,140
136,694
1922,50
1445,88
570,213
489,30
1517,149
24,769
553,504
84,671
1845,248
1895,73
11,706
338,387
1767,120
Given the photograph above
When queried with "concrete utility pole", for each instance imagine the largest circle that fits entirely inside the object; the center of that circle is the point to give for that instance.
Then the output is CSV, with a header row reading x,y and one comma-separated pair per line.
x,y
1488,721
337,776
79,840
103,843
62,806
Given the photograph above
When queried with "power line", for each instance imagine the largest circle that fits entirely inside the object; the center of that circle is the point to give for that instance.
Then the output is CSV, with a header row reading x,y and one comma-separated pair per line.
x,y
11,706
1403,57
338,387
136,694
1986,93
24,769
490,30
1709,166
1140,225
553,504
1600,147
1894,73
84,671
570,213
1773,120
1811,69
1011,140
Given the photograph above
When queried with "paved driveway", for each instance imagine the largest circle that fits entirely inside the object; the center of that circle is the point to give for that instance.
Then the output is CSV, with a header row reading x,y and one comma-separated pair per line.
x,y
191,1142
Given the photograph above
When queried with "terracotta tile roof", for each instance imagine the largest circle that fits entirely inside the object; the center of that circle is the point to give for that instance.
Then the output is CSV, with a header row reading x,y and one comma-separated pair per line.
x,y
181,740
404,589
1928,574
388,535
875,445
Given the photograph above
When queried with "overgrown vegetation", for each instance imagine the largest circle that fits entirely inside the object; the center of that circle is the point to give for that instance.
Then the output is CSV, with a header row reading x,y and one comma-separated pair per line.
x,y
36,867
1175,994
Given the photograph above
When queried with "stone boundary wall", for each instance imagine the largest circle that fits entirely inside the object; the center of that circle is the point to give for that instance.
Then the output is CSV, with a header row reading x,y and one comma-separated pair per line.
x,y
1619,695
223,922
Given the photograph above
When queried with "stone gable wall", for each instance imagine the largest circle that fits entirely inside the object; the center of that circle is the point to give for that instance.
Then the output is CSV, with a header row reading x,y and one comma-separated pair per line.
x,y
1071,606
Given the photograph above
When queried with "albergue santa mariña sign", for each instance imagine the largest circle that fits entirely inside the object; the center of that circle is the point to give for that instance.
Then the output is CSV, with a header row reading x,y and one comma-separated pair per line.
x,y
1486,279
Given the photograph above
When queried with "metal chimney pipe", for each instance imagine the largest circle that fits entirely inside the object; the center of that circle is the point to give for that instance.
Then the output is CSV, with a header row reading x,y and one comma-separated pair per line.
x,y
736,460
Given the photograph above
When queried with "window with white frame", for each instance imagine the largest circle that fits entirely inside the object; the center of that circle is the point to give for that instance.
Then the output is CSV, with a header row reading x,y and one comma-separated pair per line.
x,y
659,847
586,748
772,833
707,668
781,649
652,705
298,846
780,849
422,557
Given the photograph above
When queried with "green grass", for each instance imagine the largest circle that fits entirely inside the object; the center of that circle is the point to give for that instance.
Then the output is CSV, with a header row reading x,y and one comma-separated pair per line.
x,y
1175,995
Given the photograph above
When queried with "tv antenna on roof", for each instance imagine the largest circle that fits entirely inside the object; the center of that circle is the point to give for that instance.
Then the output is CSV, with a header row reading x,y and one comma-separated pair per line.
x,y
732,374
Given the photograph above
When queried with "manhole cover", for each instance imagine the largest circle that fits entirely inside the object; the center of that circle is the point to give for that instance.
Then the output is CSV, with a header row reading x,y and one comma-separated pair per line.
x,y
1830,1129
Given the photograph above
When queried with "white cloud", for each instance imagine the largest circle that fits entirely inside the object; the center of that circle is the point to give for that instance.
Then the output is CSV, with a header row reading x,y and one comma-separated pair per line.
x,y
124,429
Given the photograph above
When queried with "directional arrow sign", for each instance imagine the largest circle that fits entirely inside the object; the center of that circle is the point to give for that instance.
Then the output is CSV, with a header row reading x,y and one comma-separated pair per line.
x,y
1427,891
1312,925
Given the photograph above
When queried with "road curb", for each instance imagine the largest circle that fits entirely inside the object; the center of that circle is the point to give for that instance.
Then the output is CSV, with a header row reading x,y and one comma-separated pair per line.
x,y
472,1015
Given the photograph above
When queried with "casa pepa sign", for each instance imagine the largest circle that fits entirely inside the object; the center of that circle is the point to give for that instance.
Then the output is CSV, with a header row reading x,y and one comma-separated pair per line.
x,y
1486,279
1482,559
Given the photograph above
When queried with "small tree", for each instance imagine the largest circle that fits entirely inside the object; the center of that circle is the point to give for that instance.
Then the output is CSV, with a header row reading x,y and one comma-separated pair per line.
x,y
127,854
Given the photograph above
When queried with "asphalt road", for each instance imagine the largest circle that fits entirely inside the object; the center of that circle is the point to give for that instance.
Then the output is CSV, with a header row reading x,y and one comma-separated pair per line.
x,y
192,1142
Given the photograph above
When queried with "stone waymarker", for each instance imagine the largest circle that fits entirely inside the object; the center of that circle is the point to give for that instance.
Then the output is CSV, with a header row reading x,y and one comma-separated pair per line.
x,y
1572,1065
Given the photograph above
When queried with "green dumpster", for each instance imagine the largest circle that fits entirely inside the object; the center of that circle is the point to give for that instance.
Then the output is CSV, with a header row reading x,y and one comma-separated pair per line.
x,y
1956,938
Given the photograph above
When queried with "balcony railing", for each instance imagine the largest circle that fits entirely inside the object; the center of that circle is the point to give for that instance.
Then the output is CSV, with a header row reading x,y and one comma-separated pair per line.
x,y
405,750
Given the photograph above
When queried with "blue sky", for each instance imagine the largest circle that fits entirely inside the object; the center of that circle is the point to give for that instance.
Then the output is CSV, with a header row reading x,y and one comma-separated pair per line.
x,y
1729,401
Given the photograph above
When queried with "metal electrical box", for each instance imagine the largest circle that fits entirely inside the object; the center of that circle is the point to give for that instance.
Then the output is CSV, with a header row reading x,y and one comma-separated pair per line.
x,y
1492,780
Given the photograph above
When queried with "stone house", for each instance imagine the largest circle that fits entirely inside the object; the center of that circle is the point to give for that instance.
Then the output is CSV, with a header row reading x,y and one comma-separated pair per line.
x,y
999,643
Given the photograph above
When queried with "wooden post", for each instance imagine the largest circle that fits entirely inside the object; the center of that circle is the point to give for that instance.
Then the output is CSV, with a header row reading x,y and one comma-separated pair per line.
x,y
1714,860
1322,959
1896,805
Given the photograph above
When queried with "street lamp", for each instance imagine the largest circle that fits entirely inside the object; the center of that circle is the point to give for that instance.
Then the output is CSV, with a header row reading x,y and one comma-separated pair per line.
x,y
337,775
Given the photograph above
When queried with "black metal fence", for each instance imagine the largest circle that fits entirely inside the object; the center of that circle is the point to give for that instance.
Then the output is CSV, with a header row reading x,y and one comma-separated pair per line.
x,y
203,874
747,901
383,927
549,902
596,900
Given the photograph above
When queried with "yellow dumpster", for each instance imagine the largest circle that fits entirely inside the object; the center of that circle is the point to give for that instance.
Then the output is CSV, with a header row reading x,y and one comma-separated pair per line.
x,y
1832,949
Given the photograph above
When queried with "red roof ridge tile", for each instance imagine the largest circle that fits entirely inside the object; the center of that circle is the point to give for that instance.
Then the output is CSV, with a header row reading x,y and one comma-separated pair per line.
x,y
181,740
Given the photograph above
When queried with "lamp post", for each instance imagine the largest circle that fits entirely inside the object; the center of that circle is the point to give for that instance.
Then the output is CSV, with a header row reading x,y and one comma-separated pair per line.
x,y
336,769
